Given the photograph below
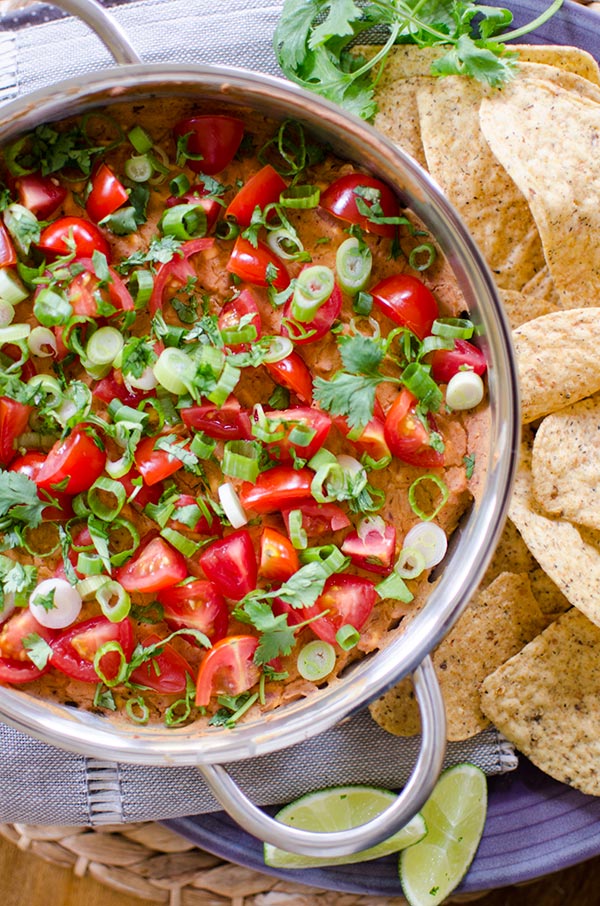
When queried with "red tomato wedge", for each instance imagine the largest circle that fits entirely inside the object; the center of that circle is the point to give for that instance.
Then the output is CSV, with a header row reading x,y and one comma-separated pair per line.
x,y
41,195
285,448
15,673
243,307
174,274
282,486
257,264
371,439
278,557
375,552
216,138
156,567
340,199
205,524
260,190
14,421
348,601
406,435
166,671
30,464
293,373
230,422
113,387
319,518
320,325
86,293
107,194
227,669
199,195
73,651
19,625
73,464
154,465
196,605
8,255
231,564
445,363
68,233
407,302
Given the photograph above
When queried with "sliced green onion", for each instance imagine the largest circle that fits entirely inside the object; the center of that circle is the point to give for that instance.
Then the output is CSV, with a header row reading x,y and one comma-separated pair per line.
x,y
297,534
108,648
172,717
139,168
430,540
422,256
23,227
174,370
300,197
241,459
203,446
7,313
89,564
48,385
184,221
328,555
279,348
96,501
227,229
11,288
14,333
412,496
104,346
119,525
322,457
144,711
347,637
417,379
243,333
180,542
140,140
52,308
410,562
301,435
312,289
268,430
353,263
88,587
465,390
116,468
393,586
42,342
363,304
231,504
179,185
455,328
225,385
316,660
286,244
114,601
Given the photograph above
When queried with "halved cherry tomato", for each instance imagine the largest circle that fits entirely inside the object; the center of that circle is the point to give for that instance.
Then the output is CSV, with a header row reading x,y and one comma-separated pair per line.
x,y
445,363
114,387
175,273
318,518
227,669
107,193
320,325
73,464
144,494
263,188
204,525
30,464
196,605
14,419
215,137
166,671
375,552
282,486
243,306
8,255
278,557
199,195
230,422
257,264
340,197
41,195
154,465
407,436
86,293
231,564
371,439
348,601
284,449
407,302
293,373
66,233
19,626
73,651
153,568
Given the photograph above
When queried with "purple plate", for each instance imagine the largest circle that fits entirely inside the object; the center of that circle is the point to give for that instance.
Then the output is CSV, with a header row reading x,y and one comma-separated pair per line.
x,y
535,825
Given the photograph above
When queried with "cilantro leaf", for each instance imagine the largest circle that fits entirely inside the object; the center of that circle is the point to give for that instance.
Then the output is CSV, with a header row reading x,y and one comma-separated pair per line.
x,y
468,56
38,650
277,638
361,354
137,355
19,501
350,395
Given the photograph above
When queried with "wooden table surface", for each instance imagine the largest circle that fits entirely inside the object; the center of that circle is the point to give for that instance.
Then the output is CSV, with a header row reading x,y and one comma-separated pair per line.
x,y
27,880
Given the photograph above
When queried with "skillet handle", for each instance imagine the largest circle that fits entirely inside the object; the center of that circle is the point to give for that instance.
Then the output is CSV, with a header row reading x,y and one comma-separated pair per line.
x,y
342,843
102,23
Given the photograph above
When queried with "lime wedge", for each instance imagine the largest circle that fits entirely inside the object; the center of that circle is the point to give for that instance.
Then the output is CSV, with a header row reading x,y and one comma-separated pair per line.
x,y
455,816
336,809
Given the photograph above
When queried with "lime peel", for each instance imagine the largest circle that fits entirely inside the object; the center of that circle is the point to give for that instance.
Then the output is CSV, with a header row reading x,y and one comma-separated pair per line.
x,y
455,816
337,809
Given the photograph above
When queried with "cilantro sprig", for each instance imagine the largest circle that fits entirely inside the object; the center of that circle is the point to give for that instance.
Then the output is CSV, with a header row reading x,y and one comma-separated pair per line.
x,y
313,38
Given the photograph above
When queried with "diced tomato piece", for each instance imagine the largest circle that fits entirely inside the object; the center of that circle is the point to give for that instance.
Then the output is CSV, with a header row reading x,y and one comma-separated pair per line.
x,y
346,601
282,486
407,302
286,449
199,195
30,464
74,649
66,233
165,672
227,669
278,557
406,435
174,274
89,297
42,195
244,307
205,523
19,626
155,465
293,373
346,195
73,464
196,605
8,254
228,422
213,138
370,440
263,188
320,325
257,264
155,567
445,363
107,194
14,421
318,518
375,552
231,564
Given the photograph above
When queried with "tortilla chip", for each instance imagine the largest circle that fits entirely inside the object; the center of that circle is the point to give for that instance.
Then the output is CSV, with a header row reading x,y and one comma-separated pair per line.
x,y
558,361
459,159
497,623
541,286
570,81
545,701
570,59
566,463
558,171
570,556
550,598
521,307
